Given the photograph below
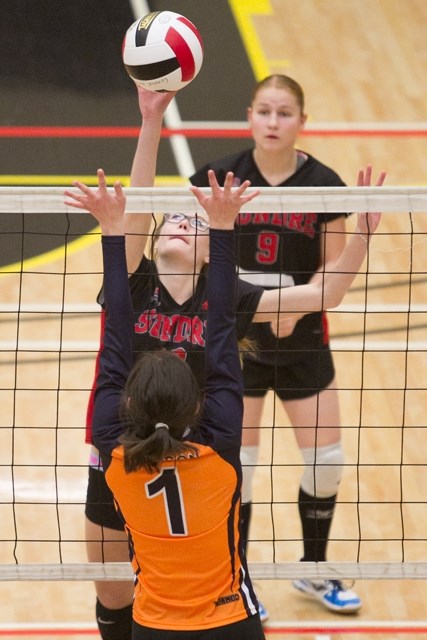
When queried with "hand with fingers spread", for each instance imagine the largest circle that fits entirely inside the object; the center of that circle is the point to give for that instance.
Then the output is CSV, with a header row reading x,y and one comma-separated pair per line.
x,y
367,223
224,203
107,207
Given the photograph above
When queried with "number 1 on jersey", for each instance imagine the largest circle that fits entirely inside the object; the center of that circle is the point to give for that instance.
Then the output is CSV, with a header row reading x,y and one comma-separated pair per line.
x,y
168,485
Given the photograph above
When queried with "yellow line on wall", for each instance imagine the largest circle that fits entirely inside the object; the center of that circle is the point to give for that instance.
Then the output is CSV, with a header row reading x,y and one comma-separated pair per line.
x,y
81,242
67,180
52,181
55,254
243,12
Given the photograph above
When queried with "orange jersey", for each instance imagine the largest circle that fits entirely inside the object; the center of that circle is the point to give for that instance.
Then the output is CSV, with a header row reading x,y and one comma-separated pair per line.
x,y
189,512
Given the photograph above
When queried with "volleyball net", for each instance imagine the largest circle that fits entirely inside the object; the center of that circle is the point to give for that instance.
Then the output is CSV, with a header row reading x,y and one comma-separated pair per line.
x,y
48,345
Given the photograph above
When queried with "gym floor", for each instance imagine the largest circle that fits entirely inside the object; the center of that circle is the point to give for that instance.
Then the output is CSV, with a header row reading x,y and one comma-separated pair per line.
x,y
362,65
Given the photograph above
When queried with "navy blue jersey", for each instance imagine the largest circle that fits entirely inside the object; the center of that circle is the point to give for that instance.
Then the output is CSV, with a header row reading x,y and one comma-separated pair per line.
x,y
161,322
279,249
183,522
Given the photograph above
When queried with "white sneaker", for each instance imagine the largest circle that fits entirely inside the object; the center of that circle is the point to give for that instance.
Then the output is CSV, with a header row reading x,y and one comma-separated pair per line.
x,y
331,593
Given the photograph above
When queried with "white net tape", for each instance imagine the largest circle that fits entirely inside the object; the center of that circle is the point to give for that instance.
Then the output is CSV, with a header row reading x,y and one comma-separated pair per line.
x,y
119,571
289,199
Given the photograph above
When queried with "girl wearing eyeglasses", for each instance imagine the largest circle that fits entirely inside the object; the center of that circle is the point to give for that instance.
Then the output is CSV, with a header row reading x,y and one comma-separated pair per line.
x,y
169,294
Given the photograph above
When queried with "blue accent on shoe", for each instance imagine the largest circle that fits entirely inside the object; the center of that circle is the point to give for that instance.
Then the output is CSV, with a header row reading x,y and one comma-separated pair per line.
x,y
263,613
331,593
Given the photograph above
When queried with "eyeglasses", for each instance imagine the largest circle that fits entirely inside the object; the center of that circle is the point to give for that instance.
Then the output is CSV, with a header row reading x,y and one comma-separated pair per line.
x,y
194,221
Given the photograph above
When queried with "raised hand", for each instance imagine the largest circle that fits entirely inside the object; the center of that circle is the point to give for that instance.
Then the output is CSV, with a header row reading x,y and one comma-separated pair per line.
x,y
107,207
365,176
223,203
367,223
153,104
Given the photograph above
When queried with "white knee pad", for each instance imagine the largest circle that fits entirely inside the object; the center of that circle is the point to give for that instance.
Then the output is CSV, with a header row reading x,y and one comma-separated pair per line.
x,y
323,470
249,460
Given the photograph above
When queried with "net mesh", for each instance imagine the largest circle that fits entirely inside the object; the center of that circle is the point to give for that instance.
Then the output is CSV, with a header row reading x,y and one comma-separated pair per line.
x,y
48,345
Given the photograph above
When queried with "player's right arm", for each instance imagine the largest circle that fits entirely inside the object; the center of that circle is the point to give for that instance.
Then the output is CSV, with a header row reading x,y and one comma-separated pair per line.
x,y
152,106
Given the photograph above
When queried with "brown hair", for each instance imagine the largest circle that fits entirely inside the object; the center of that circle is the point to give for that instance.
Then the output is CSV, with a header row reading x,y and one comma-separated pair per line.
x,y
281,81
161,388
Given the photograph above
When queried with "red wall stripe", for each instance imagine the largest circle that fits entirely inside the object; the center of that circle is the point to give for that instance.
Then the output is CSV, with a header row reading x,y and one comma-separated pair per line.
x,y
133,132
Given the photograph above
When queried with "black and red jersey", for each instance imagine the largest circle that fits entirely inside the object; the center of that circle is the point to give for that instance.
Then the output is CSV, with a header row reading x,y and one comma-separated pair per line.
x,y
279,249
161,323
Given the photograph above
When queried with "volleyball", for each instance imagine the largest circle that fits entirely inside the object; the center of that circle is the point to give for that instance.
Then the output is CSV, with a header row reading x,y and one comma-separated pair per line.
x,y
162,51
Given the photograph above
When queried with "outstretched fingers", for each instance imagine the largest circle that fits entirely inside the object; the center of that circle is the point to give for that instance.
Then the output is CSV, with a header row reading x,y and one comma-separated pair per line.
x,y
223,203
76,199
87,198
240,191
234,193
118,190
381,179
367,223
364,177
102,182
106,207
244,198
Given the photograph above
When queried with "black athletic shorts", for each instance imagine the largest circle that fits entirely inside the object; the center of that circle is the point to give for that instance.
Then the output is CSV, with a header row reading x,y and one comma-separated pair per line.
x,y
100,507
247,629
291,382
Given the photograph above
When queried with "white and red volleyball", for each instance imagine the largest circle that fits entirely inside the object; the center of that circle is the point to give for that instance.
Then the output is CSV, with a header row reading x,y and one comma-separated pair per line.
x,y
162,51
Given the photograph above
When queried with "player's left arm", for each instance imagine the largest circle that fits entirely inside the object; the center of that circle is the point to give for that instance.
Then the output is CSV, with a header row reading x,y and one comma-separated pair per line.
x,y
332,240
108,208
328,292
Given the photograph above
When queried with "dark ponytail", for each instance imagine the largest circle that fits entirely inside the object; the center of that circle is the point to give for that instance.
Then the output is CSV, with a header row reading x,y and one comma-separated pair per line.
x,y
162,399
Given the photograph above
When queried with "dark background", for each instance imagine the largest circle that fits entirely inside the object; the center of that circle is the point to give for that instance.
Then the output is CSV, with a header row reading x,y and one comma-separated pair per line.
x,y
61,65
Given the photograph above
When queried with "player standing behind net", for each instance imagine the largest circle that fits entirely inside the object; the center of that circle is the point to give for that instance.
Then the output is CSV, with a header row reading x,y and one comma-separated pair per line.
x,y
169,294
172,458
293,356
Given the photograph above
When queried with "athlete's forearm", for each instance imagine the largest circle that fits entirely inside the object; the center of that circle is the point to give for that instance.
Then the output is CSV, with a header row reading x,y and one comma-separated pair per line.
x,y
338,279
137,225
325,293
